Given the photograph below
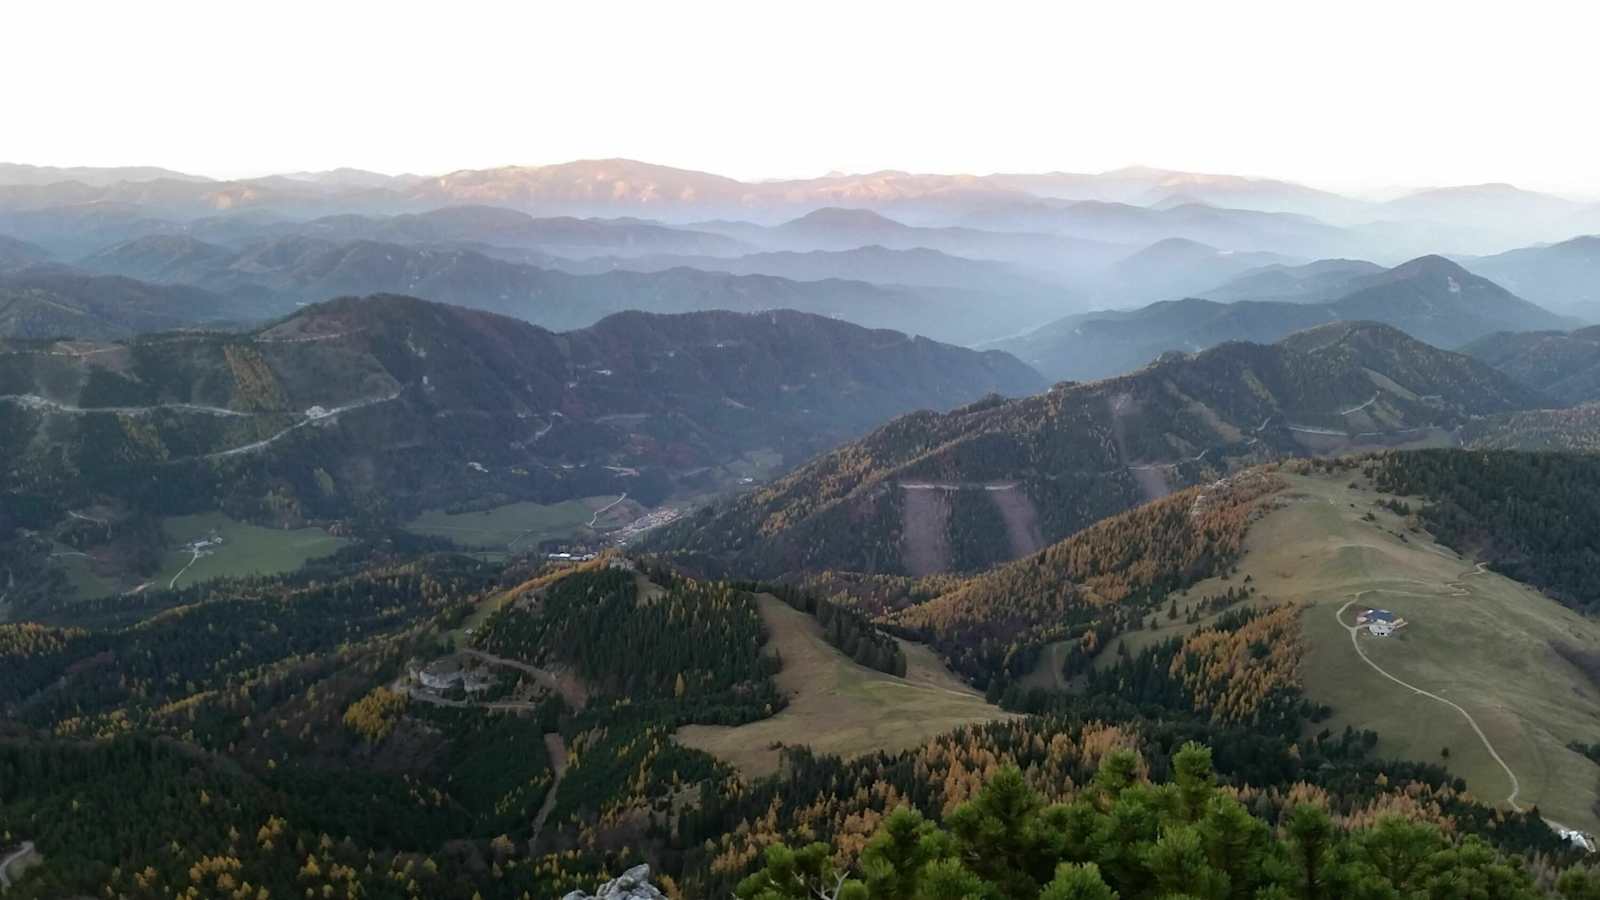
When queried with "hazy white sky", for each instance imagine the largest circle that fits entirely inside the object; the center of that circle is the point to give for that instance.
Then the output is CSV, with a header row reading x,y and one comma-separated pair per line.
x,y
1340,94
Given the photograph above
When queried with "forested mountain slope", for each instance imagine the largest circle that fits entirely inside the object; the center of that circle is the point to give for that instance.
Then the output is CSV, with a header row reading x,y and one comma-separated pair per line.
x,y
1565,365
1239,600
369,409
245,752
996,480
50,301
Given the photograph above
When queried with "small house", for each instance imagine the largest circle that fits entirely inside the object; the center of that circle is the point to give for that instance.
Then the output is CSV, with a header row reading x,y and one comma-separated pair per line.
x,y
1378,622
1578,839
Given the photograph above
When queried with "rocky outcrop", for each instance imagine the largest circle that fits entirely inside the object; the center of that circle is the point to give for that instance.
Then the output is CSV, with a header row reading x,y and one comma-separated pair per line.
x,y
634,884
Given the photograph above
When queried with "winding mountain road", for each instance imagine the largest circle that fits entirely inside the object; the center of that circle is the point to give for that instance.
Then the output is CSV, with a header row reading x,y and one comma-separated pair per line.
x,y
192,560
22,852
575,696
1143,467
556,748
1516,786
607,508
326,415
34,401
1356,409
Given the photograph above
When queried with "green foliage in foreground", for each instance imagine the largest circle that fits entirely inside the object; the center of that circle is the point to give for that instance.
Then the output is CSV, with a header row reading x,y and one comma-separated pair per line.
x,y
1123,839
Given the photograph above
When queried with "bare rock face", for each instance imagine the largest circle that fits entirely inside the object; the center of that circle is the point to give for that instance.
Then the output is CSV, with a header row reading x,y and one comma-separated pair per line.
x,y
633,884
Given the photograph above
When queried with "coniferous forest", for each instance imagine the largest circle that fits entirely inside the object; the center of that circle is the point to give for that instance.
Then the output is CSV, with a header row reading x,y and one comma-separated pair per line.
x,y
265,736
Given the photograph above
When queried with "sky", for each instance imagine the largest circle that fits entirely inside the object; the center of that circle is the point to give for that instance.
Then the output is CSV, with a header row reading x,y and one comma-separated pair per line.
x,y
1352,95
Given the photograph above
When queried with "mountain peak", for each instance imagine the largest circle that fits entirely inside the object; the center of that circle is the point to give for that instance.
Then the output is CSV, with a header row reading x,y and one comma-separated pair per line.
x,y
1360,330
1173,247
1430,266
843,217
1441,271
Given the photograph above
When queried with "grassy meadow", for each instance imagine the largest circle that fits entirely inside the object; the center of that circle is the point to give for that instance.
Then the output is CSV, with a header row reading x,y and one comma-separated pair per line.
x,y
1476,638
246,549
837,706
516,527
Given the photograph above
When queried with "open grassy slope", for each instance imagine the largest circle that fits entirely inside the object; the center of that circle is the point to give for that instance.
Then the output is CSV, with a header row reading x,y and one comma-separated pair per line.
x,y
1478,639
517,527
837,706
246,549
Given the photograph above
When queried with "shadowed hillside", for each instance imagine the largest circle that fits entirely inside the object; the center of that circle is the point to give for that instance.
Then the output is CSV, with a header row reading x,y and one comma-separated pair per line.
x,y
373,409
929,493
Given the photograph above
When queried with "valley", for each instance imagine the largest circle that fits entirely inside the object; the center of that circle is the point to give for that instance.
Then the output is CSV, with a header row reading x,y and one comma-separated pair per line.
x,y
187,549
521,527
385,412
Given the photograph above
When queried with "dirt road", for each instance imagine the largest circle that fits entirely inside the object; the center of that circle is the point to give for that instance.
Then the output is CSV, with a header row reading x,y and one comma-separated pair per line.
x,y
1516,787
22,855
569,689
329,414
556,748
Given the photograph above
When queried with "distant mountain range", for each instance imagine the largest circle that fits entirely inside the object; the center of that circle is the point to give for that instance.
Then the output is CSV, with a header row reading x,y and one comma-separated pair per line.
x,y
276,275
1174,267
836,228
1013,258
1430,298
502,227
1315,282
960,491
1134,205
1564,277
58,302
1145,186
18,174
913,267
15,254
1238,229
385,405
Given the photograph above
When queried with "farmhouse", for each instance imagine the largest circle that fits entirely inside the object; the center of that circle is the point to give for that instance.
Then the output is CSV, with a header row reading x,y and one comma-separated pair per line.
x,y
1379,622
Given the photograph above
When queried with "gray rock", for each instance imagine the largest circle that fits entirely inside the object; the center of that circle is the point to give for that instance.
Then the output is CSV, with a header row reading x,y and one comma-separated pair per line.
x,y
633,884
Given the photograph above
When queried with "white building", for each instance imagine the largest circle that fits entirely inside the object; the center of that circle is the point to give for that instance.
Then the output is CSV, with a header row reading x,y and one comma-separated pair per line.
x,y
1577,839
1378,622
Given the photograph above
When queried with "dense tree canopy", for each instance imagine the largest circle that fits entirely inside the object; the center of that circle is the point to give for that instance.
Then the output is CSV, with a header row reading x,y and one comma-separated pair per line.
x,y
1124,838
